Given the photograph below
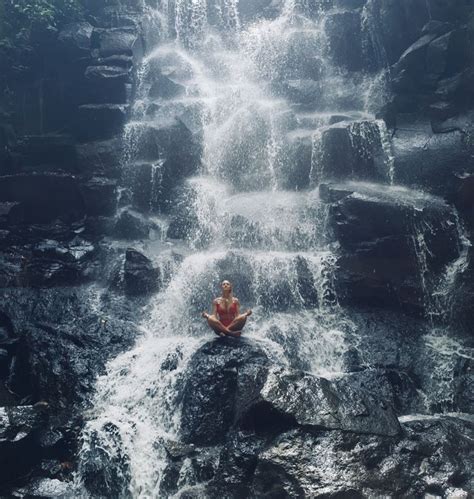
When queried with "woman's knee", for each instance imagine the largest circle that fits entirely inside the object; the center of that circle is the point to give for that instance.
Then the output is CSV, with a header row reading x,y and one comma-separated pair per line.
x,y
212,320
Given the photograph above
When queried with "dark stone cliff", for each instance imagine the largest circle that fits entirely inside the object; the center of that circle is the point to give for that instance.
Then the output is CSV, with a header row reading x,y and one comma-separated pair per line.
x,y
74,216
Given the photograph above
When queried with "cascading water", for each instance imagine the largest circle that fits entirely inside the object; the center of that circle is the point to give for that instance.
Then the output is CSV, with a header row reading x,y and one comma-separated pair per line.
x,y
233,87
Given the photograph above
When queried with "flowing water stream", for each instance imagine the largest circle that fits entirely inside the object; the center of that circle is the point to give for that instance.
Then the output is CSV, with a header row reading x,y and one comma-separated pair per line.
x,y
234,83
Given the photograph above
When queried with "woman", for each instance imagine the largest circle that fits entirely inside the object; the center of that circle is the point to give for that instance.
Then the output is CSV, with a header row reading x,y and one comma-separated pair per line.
x,y
226,319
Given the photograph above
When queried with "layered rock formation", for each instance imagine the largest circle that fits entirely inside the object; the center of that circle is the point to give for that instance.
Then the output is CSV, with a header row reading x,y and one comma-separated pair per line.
x,y
319,155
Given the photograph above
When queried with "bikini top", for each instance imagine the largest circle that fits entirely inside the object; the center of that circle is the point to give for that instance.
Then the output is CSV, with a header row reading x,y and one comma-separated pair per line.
x,y
227,314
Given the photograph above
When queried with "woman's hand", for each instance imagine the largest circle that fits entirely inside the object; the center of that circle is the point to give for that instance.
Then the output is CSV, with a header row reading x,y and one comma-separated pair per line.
x,y
205,315
248,313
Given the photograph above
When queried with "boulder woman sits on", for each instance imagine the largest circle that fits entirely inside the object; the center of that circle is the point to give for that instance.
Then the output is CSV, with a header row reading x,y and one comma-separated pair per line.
x,y
226,319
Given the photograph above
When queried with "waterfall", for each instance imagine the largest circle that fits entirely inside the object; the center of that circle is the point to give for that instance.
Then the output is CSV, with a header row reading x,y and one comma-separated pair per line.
x,y
232,85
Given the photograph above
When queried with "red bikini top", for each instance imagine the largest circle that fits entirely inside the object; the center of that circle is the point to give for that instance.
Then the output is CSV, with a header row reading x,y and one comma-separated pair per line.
x,y
224,314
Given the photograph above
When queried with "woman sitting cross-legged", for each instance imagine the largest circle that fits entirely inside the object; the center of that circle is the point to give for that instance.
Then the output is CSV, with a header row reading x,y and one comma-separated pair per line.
x,y
226,319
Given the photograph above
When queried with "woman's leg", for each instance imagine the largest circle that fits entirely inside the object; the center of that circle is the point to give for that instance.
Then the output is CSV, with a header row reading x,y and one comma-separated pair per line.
x,y
216,325
238,323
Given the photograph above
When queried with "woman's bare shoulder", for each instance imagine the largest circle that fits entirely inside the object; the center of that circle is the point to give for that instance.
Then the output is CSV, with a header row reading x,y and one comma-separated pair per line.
x,y
235,299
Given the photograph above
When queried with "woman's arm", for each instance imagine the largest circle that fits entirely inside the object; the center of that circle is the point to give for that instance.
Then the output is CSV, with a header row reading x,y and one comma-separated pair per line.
x,y
214,308
237,303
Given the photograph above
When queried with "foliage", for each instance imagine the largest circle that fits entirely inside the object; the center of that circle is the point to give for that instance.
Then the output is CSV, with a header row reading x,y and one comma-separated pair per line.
x,y
19,19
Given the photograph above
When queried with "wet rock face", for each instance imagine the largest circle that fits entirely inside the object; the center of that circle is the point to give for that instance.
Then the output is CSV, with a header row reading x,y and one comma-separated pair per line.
x,y
54,345
42,198
382,242
301,464
433,161
140,278
224,381
53,355
292,434
350,151
316,402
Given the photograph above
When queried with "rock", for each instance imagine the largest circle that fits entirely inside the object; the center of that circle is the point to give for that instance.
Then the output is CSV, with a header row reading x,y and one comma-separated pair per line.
x,y
119,41
428,160
164,87
46,152
224,380
100,196
41,198
51,468
379,263
457,90
130,226
336,405
100,121
19,422
100,158
53,263
153,182
142,180
437,28
63,343
412,60
344,32
464,198
304,464
4,362
45,487
303,92
140,277
301,150
431,57
75,39
351,151
18,450
102,73
108,84
393,26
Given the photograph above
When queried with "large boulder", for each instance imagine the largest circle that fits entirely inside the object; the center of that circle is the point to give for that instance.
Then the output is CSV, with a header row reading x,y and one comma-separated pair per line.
x,y
339,404
225,377
393,240
432,456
